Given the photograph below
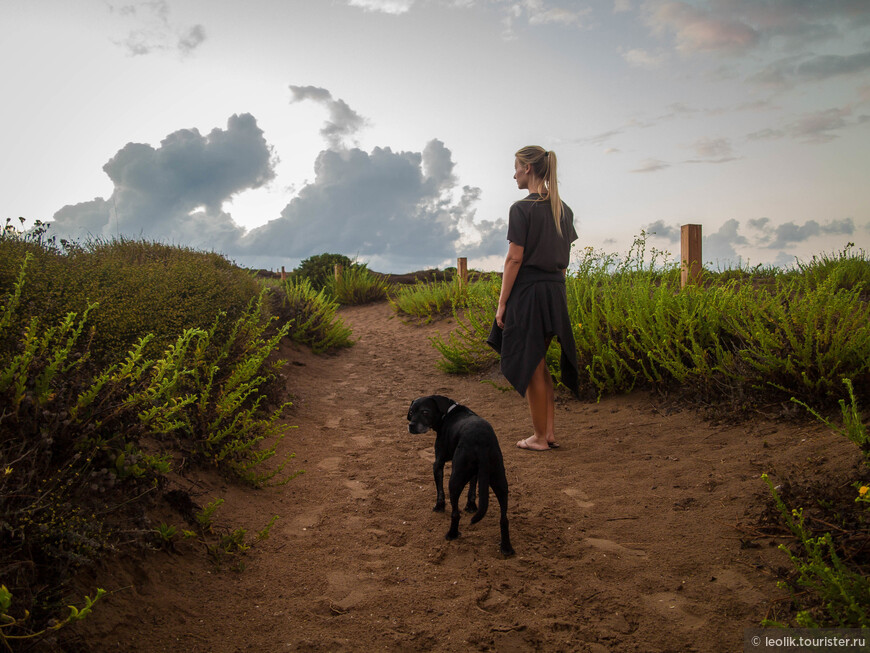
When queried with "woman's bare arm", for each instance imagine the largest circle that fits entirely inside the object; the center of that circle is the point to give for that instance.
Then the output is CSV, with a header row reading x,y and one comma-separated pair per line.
x,y
512,263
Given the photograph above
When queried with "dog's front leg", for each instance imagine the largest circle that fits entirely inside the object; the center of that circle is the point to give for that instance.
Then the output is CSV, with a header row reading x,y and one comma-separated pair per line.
x,y
438,469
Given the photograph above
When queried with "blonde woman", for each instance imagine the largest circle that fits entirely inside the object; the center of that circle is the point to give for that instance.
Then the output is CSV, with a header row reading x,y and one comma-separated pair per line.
x,y
533,305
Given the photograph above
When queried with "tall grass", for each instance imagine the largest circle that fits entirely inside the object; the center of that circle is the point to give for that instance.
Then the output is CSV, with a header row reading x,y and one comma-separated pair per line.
x,y
357,285
742,336
312,316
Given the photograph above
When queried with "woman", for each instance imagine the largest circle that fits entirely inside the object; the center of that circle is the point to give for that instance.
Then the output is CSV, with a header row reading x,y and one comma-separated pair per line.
x,y
533,305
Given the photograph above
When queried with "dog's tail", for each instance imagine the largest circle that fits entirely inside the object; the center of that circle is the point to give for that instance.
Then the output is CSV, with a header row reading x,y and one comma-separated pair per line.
x,y
482,491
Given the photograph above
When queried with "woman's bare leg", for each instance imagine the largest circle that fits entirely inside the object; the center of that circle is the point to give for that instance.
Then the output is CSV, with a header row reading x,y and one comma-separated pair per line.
x,y
542,407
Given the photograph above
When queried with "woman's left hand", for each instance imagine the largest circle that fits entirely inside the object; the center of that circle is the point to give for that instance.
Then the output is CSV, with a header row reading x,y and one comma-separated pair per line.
x,y
499,316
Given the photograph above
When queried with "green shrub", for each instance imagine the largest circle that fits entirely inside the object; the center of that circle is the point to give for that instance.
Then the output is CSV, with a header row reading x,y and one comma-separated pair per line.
x,y
427,300
311,317
320,269
464,350
142,287
357,285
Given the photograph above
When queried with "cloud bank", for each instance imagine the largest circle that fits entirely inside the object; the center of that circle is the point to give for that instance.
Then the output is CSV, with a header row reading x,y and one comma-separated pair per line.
x,y
399,211
175,192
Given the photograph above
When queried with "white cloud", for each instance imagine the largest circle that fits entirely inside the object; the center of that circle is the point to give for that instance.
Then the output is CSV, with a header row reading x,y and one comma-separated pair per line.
x,y
394,7
402,210
176,191
384,204
343,121
643,59
652,165
154,31
697,30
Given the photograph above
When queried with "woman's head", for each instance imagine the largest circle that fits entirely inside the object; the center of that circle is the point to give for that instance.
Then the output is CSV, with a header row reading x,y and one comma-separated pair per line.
x,y
536,170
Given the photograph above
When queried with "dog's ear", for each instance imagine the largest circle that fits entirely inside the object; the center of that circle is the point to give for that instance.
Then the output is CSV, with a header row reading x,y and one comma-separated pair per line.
x,y
443,403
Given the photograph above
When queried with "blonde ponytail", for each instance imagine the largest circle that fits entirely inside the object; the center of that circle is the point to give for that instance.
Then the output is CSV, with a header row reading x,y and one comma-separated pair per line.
x,y
544,166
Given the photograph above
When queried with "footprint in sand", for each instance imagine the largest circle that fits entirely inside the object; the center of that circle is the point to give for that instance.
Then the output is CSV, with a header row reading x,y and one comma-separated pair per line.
x,y
612,548
579,496
676,609
427,454
331,464
358,489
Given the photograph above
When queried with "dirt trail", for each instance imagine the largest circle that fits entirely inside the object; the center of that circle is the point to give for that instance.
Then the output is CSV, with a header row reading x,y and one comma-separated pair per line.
x,y
624,536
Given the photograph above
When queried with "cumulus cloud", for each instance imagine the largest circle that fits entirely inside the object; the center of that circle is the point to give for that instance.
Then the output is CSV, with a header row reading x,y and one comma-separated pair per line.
x,y
791,233
383,205
175,192
662,230
719,246
397,210
154,31
343,121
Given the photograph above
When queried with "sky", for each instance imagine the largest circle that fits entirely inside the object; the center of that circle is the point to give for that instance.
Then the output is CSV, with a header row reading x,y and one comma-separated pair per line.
x,y
385,130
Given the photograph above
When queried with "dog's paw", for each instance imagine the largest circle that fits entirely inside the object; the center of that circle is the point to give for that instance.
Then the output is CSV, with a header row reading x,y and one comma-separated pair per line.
x,y
452,535
439,507
506,550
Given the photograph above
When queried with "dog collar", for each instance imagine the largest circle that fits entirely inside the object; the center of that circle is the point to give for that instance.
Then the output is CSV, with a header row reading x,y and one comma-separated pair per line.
x,y
451,408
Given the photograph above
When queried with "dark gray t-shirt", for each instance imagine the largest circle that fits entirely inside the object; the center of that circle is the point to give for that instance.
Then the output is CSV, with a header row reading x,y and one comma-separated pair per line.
x,y
531,226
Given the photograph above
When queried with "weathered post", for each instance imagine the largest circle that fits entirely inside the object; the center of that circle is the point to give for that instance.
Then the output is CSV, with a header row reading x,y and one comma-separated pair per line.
x,y
283,274
338,269
462,270
690,254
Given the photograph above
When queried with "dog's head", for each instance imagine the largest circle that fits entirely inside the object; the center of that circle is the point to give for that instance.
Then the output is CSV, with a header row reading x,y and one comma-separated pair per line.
x,y
428,412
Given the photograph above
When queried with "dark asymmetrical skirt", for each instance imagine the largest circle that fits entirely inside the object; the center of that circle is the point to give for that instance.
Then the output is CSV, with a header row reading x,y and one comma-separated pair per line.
x,y
537,309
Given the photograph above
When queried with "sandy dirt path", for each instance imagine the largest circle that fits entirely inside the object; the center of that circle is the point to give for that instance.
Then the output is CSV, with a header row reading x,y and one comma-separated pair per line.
x,y
625,536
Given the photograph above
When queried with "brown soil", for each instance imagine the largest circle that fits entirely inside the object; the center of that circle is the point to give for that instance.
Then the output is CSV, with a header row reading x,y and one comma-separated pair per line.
x,y
634,536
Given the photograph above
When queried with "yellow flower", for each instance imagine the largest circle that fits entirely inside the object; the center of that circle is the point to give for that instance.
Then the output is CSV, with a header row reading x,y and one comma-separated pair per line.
x,y
863,490
7,471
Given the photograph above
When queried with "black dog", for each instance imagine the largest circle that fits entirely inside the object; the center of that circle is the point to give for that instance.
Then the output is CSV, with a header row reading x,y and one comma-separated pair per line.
x,y
469,441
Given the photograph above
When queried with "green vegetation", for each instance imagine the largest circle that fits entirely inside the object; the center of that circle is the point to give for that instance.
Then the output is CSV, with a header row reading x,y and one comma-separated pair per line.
x,y
428,300
830,587
320,269
745,336
357,285
122,361
312,316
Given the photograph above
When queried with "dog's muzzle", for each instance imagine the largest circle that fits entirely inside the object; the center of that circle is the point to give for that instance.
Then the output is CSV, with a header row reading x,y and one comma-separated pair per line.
x,y
417,428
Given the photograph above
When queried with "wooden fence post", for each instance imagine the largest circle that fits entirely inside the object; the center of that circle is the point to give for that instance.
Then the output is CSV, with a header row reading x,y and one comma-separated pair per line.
x,y
690,254
338,269
462,270
283,274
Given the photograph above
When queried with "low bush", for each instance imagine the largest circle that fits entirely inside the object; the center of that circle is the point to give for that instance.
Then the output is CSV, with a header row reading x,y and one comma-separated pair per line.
x,y
357,285
311,316
320,269
142,287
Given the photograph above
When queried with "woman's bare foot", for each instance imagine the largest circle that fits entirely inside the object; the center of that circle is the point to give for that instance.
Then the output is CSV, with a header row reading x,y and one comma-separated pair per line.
x,y
532,444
